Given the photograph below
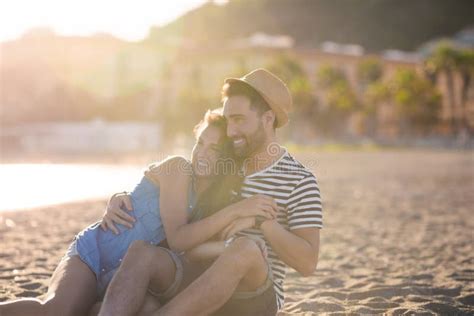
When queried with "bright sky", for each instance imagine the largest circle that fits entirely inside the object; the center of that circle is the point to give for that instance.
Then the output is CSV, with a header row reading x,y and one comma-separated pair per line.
x,y
129,20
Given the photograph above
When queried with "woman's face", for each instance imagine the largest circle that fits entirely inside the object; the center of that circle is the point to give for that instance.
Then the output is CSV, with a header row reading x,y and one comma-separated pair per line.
x,y
207,151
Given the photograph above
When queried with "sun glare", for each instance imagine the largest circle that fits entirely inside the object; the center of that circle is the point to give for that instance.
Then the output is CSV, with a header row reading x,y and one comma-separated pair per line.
x,y
129,20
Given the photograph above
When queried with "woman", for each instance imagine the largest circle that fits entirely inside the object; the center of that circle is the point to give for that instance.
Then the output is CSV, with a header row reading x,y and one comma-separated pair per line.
x,y
162,204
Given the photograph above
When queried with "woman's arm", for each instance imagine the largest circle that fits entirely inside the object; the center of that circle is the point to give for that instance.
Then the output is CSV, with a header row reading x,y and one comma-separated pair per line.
x,y
173,178
180,234
206,251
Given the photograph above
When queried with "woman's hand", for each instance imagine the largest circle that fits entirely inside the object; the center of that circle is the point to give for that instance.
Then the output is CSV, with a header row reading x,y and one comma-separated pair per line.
x,y
237,226
114,212
259,241
257,205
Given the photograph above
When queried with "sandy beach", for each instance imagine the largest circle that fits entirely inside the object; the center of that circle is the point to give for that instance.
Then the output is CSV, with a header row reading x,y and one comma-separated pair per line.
x,y
398,237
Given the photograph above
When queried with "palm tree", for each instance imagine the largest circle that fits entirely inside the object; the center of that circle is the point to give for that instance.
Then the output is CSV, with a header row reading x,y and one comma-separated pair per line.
x,y
375,95
339,97
445,59
466,68
370,90
416,101
291,71
369,70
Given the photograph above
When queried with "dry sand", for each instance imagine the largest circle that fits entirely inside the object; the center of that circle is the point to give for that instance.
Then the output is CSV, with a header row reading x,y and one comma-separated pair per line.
x,y
398,237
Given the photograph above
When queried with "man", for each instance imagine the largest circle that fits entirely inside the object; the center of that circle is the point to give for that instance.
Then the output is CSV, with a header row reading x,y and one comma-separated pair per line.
x,y
247,278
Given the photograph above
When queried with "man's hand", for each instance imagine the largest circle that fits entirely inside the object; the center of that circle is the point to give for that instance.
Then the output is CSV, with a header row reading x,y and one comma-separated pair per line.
x,y
257,205
114,213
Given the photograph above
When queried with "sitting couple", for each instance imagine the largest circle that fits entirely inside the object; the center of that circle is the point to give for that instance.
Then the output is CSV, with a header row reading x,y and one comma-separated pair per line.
x,y
213,235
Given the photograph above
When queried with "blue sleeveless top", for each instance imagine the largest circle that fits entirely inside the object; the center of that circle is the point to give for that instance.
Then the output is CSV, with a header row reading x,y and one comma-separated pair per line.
x,y
103,251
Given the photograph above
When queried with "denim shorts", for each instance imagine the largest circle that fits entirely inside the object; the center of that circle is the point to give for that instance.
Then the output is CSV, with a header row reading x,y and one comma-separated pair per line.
x,y
261,301
103,251
104,278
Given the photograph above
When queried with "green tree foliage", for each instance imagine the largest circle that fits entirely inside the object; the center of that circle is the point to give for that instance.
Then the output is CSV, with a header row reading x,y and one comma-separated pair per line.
x,y
369,70
448,60
466,69
371,91
339,100
339,95
292,73
416,100
376,94
327,76
445,59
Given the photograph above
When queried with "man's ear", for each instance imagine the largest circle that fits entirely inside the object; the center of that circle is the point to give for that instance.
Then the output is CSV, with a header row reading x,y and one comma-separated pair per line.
x,y
269,118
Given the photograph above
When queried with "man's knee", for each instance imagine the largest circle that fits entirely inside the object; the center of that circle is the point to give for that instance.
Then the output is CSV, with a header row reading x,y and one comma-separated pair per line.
x,y
138,246
140,251
145,255
154,262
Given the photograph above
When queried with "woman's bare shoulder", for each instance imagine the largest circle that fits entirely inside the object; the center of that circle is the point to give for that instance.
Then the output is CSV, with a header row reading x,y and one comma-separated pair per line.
x,y
172,165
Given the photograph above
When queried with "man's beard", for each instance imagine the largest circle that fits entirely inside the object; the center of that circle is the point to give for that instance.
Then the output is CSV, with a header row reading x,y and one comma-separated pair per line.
x,y
254,144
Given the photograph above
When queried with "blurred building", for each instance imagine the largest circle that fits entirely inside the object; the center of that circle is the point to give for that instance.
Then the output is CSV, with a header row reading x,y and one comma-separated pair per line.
x,y
260,39
74,78
217,64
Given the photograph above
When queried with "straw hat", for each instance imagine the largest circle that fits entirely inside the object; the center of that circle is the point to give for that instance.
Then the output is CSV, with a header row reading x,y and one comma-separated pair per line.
x,y
273,91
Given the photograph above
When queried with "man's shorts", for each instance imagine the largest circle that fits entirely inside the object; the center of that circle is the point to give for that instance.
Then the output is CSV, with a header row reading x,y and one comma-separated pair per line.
x,y
262,301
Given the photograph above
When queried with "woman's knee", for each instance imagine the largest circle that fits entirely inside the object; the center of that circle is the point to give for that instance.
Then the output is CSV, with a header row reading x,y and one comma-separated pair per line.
x,y
250,261
246,249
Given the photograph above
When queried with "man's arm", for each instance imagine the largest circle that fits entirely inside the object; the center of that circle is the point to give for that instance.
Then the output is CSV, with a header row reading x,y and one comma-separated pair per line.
x,y
298,247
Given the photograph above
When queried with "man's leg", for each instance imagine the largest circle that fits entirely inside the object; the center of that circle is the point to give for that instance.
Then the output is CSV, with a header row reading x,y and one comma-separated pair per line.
x,y
149,306
144,266
241,264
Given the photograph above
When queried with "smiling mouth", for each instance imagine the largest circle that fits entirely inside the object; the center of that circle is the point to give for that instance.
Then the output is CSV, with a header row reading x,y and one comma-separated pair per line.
x,y
238,142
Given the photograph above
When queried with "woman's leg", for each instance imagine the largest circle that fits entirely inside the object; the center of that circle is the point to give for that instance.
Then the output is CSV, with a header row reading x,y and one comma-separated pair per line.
x,y
72,291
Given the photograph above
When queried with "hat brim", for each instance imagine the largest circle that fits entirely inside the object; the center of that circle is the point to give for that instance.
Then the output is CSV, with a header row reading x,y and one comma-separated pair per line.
x,y
280,115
